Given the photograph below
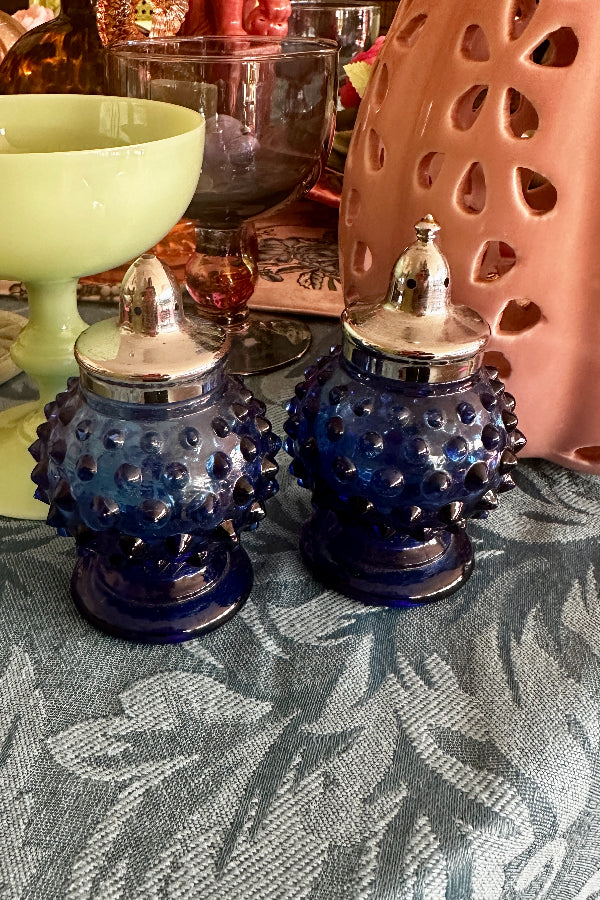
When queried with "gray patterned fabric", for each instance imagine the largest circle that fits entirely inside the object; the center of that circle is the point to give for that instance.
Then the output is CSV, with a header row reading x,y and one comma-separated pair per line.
x,y
313,748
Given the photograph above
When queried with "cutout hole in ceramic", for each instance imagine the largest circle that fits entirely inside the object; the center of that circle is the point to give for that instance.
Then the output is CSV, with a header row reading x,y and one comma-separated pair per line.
x,y
352,206
523,119
558,49
468,106
497,259
429,168
538,192
475,44
588,454
362,259
499,361
375,151
472,191
410,33
519,315
381,86
520,14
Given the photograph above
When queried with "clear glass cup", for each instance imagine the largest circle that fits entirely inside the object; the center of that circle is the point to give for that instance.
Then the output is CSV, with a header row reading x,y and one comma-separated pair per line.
x,y
269,106
354,26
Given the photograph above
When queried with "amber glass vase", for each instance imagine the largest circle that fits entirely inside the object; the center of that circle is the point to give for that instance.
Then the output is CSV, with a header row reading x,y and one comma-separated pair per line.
x,y
64,56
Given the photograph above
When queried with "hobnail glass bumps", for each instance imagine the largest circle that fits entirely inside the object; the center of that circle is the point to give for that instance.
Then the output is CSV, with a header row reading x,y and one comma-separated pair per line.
x,y
402,436
156,492
395,474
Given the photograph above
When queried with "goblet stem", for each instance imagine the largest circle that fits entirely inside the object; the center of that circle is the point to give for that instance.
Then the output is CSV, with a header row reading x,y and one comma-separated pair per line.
x,y
222,273
44,350
221,276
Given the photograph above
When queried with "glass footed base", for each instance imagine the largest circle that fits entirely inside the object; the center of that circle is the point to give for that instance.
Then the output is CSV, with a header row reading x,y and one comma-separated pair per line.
x,y
397,572
17,432
153,609
267,344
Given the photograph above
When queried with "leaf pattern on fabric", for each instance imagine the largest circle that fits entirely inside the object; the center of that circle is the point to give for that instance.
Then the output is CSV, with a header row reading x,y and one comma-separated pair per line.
x,y
22,724
147,751
314,748
552,504
548,702
591,890
581,612
304,621
425,869
129,746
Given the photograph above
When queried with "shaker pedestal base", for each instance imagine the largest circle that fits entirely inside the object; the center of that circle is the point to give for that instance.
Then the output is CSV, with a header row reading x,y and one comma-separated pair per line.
x,y
397,572
144,607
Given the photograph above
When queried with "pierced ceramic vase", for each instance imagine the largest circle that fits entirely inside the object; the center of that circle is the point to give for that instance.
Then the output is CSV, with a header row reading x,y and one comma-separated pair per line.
x,y
155,460
485,113
402,435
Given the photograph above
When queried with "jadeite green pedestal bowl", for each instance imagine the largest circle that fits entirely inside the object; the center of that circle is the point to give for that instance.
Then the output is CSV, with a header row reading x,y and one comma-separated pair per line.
x,y
87,183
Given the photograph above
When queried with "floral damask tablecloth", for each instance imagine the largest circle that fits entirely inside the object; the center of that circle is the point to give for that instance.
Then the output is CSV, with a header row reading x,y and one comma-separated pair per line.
x,y
313,748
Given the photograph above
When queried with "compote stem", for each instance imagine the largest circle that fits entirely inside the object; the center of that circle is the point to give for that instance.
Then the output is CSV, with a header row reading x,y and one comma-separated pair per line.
x,y
220,276
44,350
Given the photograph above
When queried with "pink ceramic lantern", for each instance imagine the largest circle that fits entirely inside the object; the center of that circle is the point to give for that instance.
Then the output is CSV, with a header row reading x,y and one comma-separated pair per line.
x,y
486,115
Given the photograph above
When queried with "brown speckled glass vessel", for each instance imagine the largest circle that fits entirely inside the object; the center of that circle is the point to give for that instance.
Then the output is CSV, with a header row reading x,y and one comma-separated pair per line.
x,y
64,56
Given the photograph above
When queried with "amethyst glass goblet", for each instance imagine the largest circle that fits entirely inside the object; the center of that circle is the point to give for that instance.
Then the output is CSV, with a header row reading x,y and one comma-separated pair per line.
x,y
269,107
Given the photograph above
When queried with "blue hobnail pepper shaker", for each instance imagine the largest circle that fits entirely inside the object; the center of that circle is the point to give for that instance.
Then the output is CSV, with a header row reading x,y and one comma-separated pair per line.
x,y
402,434
155,460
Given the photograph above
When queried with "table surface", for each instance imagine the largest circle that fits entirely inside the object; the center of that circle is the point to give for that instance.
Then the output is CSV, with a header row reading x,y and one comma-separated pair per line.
x,y
313,747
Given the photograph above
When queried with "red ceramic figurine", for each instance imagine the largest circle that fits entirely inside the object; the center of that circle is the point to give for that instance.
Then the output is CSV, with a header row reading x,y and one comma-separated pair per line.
x,y
117,18
237,17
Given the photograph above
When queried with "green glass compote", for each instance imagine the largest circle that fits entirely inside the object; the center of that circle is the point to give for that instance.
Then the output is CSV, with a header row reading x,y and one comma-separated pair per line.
x,y
88,182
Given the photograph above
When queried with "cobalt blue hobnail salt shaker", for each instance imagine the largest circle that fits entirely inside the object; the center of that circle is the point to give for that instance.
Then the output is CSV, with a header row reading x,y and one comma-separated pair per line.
x,y
155,459
402,435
